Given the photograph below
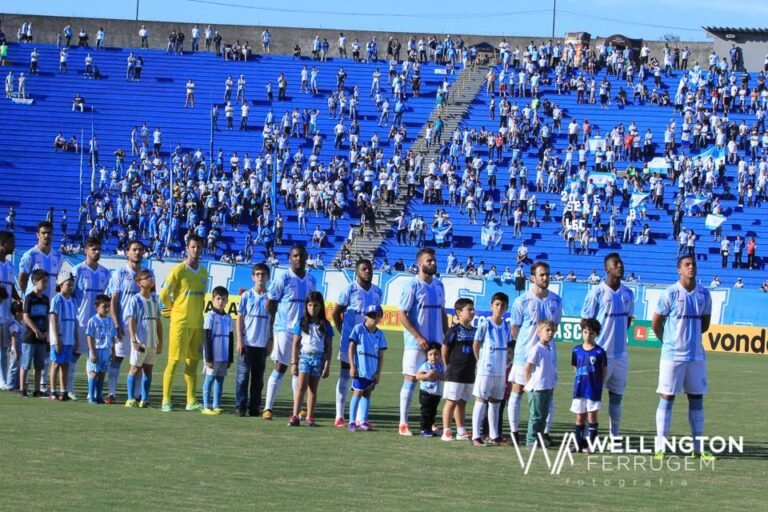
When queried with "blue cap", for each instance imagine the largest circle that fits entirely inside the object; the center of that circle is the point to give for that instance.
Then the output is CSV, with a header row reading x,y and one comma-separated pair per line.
x,y
374,310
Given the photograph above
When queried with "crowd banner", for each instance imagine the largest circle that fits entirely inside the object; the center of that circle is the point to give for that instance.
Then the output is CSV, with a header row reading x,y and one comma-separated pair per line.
x,y
736,313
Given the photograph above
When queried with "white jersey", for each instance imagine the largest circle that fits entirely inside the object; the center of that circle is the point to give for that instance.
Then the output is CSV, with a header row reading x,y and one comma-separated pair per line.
x,y
684,312
494,341
217,351
614,310
290,291
88,284
147,314
527,311
51,263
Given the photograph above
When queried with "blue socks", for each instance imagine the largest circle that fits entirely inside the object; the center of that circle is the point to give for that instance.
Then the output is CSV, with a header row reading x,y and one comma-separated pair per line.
x,y
353,404
592,431
696,420
131,383
218,384
406,396
579,431
92,395
207,391
614,412
365,406
663,421
146,383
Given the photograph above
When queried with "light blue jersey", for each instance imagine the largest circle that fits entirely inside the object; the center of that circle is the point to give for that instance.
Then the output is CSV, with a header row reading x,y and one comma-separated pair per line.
x,y
527,311
356,299
51,263
290,291
367,346
423,303
614,310
102,330
88,284
123,283
7,281
433,387
147,314
220,327
65,310
684,312
494,343
253,308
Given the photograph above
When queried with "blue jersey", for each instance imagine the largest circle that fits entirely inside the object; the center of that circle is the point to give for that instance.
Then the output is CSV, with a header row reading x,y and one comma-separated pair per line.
x,y
527,311
253,308
51,263
102,330
147,314
367,346
590,367
7,281
220,327
423,303
66,318
614,310
356,299
290,291
494,343
88,284
123,283
684,312
433,387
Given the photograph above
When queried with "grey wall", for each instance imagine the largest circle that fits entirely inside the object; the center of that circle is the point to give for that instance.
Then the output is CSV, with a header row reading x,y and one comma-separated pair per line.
x,y
124,33
754,47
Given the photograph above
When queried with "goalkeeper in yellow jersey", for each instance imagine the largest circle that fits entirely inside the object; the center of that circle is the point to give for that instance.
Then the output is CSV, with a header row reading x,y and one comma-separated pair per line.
x,y
184,295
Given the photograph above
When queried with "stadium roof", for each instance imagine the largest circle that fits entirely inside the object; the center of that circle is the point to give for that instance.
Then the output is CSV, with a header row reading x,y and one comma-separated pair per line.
x,y
743,30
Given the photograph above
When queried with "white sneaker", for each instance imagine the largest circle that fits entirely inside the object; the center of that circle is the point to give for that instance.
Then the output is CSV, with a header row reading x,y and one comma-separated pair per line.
x,y
72,396
447,435
462,437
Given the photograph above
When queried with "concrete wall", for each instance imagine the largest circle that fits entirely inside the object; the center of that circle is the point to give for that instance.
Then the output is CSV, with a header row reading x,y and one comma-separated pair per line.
x,y
124,33
754,48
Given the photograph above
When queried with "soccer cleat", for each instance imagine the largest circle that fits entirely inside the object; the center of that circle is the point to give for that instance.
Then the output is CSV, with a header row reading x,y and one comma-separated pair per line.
x,y
143,404
463,437
129,404
302,415
311,422
110,400
478,442
209,412
72,396
339,422
365,426
218,410
294,421
194,407
167,408
705,455
447,435
404,430
352,427
658,455
267,414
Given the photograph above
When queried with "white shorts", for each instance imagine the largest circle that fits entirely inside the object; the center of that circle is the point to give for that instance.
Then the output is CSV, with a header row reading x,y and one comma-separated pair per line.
x,y
123,346
457,391
517,375
682,376
489,387
584,405
217,370
282,349
616,374
143,358
412,360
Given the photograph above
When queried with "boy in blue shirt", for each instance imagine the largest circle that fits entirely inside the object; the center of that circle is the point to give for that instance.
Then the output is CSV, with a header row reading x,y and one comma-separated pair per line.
x,y
431,375
101,334
366,359
63,334
590,362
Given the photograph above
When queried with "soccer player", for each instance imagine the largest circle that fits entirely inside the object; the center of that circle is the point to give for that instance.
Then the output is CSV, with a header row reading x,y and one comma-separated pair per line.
x,y
286,294
63,335
254,341
366,359
41,256
122,287
541,379
491,344
353,301
613,305
683,313
146,335
590,362
431,376
528,309
91,280
8,368
422,314
217,350
183,294
459,358
102,334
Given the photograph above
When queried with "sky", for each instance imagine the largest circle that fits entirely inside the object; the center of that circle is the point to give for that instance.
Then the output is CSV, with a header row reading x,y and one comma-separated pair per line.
x,y
647,19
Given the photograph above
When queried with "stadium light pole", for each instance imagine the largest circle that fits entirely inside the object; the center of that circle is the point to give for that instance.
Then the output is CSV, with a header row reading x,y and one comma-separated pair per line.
x,y
554,14
137,10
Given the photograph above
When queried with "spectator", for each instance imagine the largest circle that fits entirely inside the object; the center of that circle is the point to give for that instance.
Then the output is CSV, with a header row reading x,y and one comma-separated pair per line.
x,y
143,37
751,253
739,283
78,103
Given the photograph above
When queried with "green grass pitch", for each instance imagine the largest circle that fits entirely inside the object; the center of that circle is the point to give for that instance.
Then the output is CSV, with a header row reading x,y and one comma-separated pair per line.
x,y
72,456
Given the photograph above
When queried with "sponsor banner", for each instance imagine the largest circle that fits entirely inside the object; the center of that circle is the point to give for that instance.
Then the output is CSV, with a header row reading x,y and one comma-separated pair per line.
x,y
735,339
640,332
